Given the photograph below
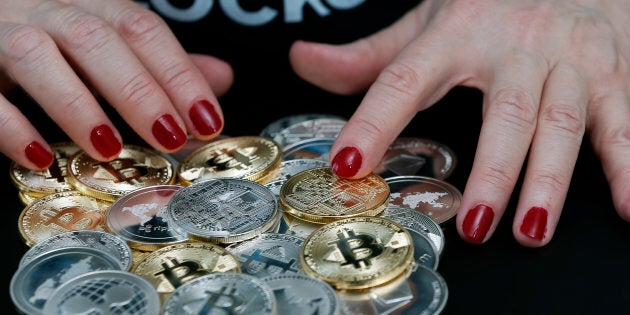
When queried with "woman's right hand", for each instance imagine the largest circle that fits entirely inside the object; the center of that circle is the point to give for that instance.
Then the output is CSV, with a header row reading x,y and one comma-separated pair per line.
x,y
59,51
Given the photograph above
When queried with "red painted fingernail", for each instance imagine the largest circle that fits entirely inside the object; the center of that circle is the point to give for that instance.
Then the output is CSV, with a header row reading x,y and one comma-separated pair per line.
x,y
477,223
36,153
347,162
168,133
105,142
205,118
535,223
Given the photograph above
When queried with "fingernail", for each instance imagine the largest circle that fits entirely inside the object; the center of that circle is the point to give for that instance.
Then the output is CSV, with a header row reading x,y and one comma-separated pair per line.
x,y
205,118
36,153
105,142
347,162
535,223
168,133
477,223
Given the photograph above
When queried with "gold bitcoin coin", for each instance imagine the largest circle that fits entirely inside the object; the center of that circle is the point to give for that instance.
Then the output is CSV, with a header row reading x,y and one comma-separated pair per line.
x,y
50,180
135,167
26,198
358,252
169,267
317,195
246,157
61,212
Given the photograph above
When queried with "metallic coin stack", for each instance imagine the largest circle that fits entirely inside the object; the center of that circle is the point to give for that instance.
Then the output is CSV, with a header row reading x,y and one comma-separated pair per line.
x,y
238,224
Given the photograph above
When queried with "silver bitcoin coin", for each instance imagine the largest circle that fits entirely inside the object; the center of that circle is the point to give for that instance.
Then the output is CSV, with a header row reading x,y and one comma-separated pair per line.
x,y
222,293
224,210
100,240
269,254
285,122
104,292
301,294
309,129
316,148
417,221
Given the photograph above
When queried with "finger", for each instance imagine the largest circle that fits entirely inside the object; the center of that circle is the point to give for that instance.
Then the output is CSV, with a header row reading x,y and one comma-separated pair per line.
x,y
159,51
510,120
552,157
610,136
351,68
217,72
115,71
32,59
26,147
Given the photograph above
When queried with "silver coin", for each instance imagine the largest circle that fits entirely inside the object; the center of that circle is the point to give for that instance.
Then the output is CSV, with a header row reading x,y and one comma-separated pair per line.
x,y
417,221
285,122
224,210
104,292
433,197
301,294
417,156
385,299
140,218
293,226
32,284
424,251
222,293
309,129
269,254
316,148
275,186
430,292
100,240
289,168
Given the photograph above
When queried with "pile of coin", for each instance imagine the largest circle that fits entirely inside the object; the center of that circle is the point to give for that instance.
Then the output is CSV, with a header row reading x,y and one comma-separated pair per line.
x,y
247,224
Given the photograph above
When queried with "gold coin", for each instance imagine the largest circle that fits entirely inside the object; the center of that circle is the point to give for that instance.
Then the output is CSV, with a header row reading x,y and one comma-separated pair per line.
x,y
246,157
61,212
50,180
26,198
358,252
169,267
317,195
135,167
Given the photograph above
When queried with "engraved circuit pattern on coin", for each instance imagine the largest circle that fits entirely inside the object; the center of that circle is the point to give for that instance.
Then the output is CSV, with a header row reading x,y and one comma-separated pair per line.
x,y
301,294
269,254
291,167
417,221
358,252
224,210
104,241
33,283
314,149
61,212
433,197
244,157
169,267
318,195
135,167
309,129
285,122
417,157
222,293
48,181
104,292
141,218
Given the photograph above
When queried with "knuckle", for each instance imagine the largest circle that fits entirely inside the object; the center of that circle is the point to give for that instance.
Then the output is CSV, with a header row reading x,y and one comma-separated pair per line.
x,y
497,176
370,127
136,89
552,180
71,104
565,118
515,107
86,32
178,75
611,137
139,24
25,43
399,78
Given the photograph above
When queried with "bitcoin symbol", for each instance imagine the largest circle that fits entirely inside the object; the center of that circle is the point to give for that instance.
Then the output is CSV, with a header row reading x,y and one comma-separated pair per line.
x,y
268,261
73,218
124,170
357,249
191,269
226,159
227,302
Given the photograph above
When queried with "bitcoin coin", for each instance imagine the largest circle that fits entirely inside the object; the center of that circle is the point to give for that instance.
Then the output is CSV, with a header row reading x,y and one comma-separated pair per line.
x,y
309,129
103,241
269,254
104,292
285,122
169,267
301,294
222,293
417,157
417,221
27,199
433,197
358,252
244,157
192,144
314,149
224,210
61,212
141,218
319,196
135,167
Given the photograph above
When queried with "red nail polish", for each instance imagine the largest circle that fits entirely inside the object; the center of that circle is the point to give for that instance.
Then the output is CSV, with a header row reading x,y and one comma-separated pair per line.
x,y
205,118
168,133
36,153
477,223
347,162
105,142
535,223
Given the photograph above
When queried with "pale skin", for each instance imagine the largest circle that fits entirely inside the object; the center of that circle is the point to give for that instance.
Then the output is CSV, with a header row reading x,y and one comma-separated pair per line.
x,y
551,72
